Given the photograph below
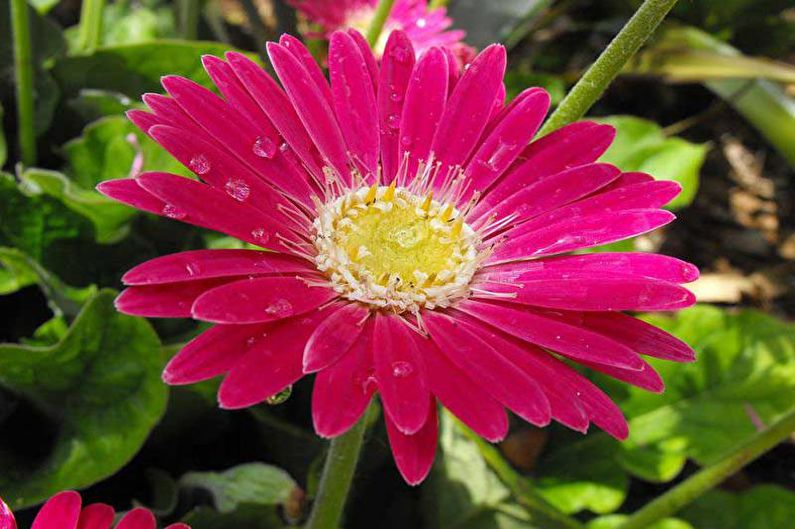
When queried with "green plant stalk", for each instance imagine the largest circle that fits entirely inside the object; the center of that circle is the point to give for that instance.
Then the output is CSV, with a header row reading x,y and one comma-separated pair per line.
x,y
533,503
335,482
90,35
382,11
707,478
436,4
23,71
188,11
608,65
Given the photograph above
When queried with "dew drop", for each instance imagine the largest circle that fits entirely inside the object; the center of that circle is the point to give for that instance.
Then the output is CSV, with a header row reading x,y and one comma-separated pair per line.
x,y
237,189
199,164
368,382
173,212
264,147
280,397
393,121
260,235
401,369
395,96
251,340
192,269
280,307
284,147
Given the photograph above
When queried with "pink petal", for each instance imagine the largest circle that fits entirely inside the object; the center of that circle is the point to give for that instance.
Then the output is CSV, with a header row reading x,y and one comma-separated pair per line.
x,y
202,205
650,265
170,113
627,179
272,362
414,454
205,264
589,291
481,362
397,64
302,54
564,405
425,100
639,336
315,112
178,526
212,353
127,191
6,517
507,139
367,53
554,191
259,300
277,106
354,101
334,336
453,69
574,233
646,378
61,511
571,341
342,391
465,398
470,105
138,519
96,516
142,119
172,300
400,372
571,146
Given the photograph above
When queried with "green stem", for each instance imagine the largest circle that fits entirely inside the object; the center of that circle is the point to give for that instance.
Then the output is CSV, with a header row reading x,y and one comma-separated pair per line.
x,y
533,503
188,11
337,477
90,35
379,19
608,65
707,478
23,70
435,4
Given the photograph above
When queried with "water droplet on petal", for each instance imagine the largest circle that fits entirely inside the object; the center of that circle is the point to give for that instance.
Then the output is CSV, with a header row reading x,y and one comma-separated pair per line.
x,y
199,164
250,341
397,97
284,147
192,269
237,189
368,383
393,120
264,147
401,369
260,235
281,308
173,212
280,397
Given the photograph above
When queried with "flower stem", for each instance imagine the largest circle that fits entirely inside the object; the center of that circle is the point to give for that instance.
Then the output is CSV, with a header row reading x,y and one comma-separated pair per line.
x,y
435,4
379,19
707,478
90,35
188,11
540,510
337,477
608,65
23,70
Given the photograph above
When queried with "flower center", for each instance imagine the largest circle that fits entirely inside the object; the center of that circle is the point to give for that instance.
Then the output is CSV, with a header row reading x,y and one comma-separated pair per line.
x,y
390,248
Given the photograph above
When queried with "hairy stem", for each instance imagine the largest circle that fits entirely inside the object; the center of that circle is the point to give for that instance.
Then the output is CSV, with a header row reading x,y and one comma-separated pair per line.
x,y
90,35
704,480
337,477
379,19
23,71
607,66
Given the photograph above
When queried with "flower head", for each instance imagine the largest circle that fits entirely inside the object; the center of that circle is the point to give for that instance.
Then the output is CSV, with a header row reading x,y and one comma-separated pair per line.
x,y
421,245
63,511
425,27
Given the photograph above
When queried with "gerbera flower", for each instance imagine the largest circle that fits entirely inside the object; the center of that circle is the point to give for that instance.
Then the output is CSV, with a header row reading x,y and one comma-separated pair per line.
x,y
420,245
425,27
63,511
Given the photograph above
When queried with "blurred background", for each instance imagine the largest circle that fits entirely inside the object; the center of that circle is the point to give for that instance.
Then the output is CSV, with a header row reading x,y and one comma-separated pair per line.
x,y
708,102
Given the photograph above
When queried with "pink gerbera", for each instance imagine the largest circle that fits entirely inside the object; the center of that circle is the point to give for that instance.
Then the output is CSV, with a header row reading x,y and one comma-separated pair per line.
x,y
423,26
63,511
417,245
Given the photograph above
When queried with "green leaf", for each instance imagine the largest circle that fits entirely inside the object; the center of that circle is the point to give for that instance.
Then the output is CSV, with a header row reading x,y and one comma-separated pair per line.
x,y
134,69
100,386
248,495
614,521
763,507
640,145
47,44
3,144
92,104
744,375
